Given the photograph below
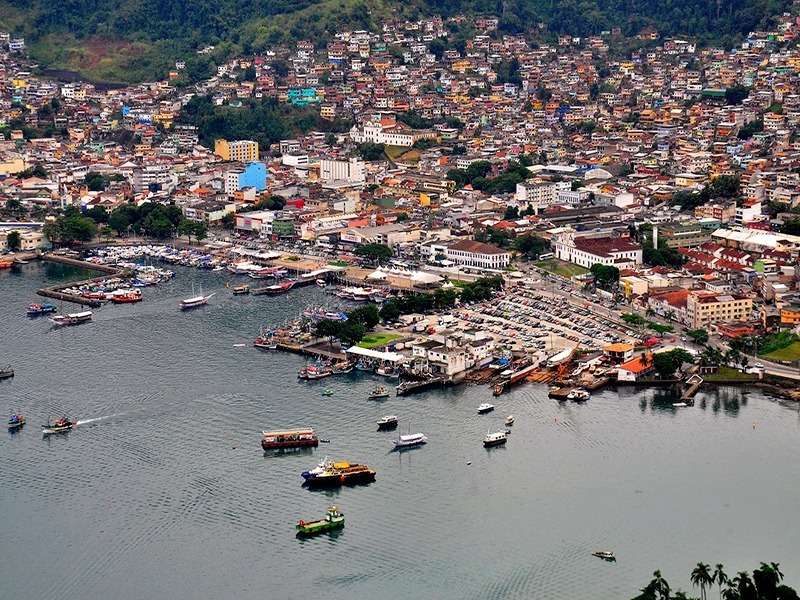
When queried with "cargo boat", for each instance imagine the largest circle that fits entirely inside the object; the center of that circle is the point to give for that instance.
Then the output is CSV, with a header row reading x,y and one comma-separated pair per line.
x,y
333,520
299,438
340,473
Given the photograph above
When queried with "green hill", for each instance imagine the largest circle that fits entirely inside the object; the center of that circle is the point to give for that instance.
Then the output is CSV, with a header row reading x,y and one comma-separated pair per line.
x,y
130,40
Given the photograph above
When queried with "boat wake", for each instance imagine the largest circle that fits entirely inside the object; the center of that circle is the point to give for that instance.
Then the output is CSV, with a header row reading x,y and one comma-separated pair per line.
x,y
86,421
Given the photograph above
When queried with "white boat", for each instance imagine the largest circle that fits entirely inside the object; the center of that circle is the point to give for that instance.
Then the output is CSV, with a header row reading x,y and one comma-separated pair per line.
x,y
321,283
411,439
387,422
72,318
579,395
194,301
605,554
485,408
509,420
495,439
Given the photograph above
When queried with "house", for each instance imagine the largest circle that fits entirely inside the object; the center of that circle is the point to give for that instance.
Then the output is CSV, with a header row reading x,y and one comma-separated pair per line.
x,y
635,368
619,352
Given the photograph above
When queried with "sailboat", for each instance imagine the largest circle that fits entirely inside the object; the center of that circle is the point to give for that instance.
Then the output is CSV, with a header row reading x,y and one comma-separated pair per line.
x,y
195,301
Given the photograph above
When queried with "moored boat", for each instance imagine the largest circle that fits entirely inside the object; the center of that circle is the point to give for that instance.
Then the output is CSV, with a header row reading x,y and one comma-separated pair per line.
x,y
495,439
485,408
379,392
509,420
278,288
72,318
339,473
321,283
241,289
126,297
62,424
387,422
7,372
578,395
314,372
34,310
16,421
409,440
299,438
333,519
497,390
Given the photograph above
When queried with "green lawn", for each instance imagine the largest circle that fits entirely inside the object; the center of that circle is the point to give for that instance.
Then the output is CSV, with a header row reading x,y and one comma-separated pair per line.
x,y
729,374
377,339
789,353
395,152
562,268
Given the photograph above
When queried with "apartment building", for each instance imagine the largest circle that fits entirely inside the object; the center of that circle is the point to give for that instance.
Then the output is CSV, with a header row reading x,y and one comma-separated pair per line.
x,y
245,151
704,309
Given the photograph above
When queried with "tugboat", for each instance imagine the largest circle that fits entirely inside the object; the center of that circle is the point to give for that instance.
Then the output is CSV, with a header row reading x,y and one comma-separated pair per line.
x,y
342,473
387,422
16,421
62,424
485,408
605,555
7,372
34,310
495,439
333,520
379,392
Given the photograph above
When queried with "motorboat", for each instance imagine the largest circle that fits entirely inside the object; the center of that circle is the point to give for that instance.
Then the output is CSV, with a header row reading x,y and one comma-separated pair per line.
x,y
379,392
62,424
34,310
16,421
72,318
509,420
387,422
604,554
327,392
125,297
321,283
578,395
334,519
7,372
241,289
485,408
495,439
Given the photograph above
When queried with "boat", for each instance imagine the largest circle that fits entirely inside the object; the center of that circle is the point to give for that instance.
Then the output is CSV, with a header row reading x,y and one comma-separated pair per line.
x,y
299,438
7,372
327,392
278,288
16,421
679,404
379,392
387,372
361,367
320,468
313,372
497,390
485,408
495,439
579,395
126,297
387,422
195,301
34,310
241,289
62,424
340,473
265,341
509,420
6,264
72,318
333,519
342,368
321,283
410,439
604,554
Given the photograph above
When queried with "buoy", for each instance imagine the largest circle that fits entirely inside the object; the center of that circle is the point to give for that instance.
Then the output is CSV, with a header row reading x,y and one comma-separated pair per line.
x,y
227,285
555,418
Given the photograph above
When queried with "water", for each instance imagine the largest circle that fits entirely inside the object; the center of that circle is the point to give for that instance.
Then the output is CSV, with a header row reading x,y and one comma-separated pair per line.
x,y
147,497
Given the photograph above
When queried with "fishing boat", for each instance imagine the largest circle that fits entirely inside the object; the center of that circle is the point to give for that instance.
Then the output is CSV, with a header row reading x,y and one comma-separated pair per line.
x,y
299,438
195,301
604,554
333,519
379,392
339,473
72,318
485,408
387,422
62,424
509,420
387,372
314,372
16,421
495,439
126,297
342,368
265,341
7,372
34,310
328,392
241,289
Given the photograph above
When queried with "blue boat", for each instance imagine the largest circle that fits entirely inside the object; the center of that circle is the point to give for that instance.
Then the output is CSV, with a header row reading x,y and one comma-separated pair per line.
x,y
40,309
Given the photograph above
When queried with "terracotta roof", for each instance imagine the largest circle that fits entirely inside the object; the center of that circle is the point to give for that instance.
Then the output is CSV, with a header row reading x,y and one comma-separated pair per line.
x,y
635,365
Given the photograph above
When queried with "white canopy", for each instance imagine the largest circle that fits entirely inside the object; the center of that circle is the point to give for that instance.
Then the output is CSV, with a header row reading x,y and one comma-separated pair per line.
x,y
384,356
377,275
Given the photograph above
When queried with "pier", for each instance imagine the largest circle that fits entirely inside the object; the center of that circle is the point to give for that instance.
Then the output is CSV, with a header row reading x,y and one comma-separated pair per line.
x,y
410,387
694,382
56,292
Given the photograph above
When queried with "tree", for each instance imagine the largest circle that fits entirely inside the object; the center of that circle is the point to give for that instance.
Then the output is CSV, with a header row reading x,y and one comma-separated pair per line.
x,y
367,315
14,240
351,333
106,233
389,312
606,276
701,577
744,585
119,221
700,336
720,577
660,329
13,206
633,319
374,252
664,364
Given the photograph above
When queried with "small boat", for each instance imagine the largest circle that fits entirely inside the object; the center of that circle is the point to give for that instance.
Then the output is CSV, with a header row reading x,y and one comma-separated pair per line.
x,y
361,367
342,368
411,439
679,404
72,318
495,439
7,372
497,390
279,288
62,424
341,473
387,422
34,310
334,519
321,283
578,395
327,392
604,554
387,372
299,438
241,289
485,408
509,420
379,392
313,373
16,421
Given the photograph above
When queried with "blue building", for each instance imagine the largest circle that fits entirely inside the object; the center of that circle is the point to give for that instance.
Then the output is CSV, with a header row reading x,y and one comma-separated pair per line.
x,y
253,175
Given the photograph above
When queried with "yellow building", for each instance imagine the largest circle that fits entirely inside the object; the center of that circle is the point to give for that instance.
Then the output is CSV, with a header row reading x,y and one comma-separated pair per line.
x,y
705,309
242,151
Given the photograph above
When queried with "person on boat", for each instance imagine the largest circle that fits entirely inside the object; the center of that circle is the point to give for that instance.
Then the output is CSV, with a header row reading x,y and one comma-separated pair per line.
x,y
302,523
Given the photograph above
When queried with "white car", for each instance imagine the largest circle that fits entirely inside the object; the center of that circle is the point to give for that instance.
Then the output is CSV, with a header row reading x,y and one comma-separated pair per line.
x,y
759,366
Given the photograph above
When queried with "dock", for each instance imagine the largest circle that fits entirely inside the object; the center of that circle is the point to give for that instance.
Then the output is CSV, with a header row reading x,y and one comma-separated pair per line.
x,y
694,382
410,387
56,292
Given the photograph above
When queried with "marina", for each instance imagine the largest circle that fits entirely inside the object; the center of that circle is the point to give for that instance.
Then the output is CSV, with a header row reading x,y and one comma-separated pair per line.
x,y
625,450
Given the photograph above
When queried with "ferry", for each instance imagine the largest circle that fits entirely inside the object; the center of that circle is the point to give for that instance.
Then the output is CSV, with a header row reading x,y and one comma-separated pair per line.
x,y
299,438
34,310
333,519
495,439
16,421
72,318
379,392
62,424
340,473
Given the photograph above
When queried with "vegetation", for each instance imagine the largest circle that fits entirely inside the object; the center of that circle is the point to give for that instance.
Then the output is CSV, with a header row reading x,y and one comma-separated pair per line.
x,y
725,373
482,289
561,268
605,276
633,319
699,336
14,240
764,584
530,245
660,329
667,363
377,339
374,252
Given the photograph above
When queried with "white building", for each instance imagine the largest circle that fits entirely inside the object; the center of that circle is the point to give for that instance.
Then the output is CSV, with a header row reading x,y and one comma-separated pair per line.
x,y
474,254
539,194
347,170
586,251
390,133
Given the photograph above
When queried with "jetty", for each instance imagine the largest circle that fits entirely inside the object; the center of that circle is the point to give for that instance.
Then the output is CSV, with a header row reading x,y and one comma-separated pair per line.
x,y
57,293
410,387
694,382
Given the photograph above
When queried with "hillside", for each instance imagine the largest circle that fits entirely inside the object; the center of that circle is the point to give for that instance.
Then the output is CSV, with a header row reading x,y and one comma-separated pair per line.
x,y
132,40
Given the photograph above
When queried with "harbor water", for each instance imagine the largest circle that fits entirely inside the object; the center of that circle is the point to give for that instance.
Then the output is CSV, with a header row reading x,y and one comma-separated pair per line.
x,y
162,490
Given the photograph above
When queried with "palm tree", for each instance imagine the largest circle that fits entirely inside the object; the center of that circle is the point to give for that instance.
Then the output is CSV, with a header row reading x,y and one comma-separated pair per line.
x,y
649,312
670,315
701,577
720,577
646,359
745,587
775,567
660,585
